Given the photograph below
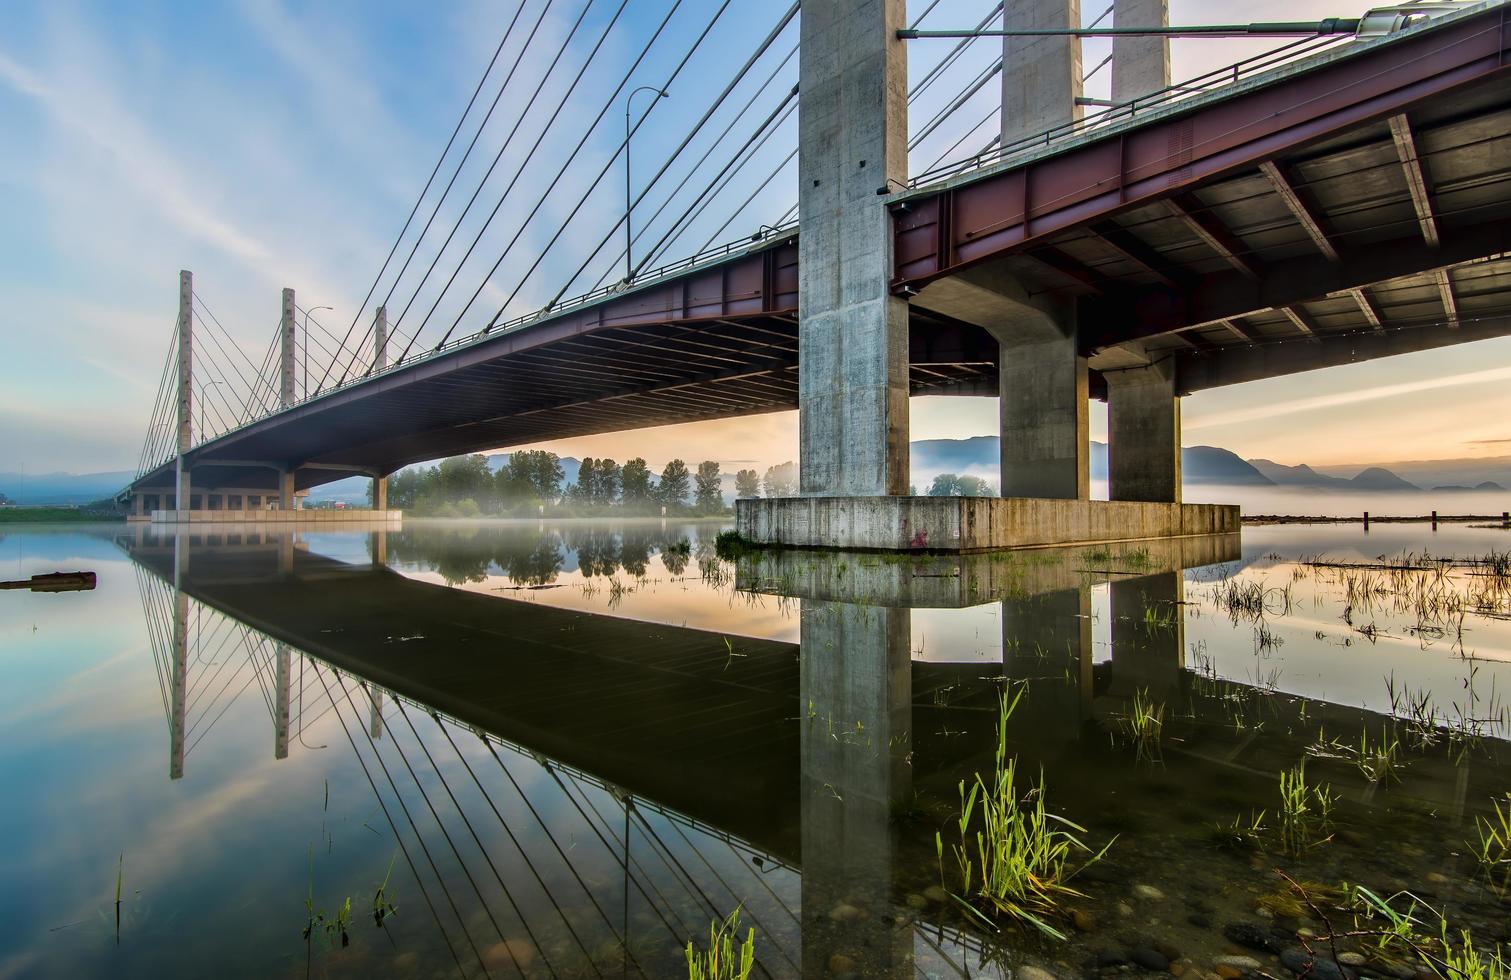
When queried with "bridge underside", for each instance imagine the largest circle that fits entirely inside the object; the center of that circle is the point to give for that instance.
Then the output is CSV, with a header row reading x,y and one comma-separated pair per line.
x,y
1338,212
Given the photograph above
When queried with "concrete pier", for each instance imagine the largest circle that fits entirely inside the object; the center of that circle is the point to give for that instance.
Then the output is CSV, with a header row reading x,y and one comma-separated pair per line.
x,y
1143,434
1140,65
853,132
1045,445
967,524
1041,76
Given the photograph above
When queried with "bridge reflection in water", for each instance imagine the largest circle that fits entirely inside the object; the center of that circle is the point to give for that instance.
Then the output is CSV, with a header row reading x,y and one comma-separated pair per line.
x,y
579,794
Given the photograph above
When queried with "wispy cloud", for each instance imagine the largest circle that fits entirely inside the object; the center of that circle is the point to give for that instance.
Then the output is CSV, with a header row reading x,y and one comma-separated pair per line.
x,y
1298,405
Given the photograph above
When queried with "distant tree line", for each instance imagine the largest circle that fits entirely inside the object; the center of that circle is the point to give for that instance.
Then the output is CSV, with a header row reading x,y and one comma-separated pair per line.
x,y
961,485
464,486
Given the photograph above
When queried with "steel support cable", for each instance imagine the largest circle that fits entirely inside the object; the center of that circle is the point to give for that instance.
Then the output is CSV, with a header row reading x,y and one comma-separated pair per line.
x,y
672,157
952,106
207,408
952,56
743,155
681,929
751,197
159,407
539,139
197,693
399,839
206,366
738,897
466,871
256,398
431,179
615,850
541,253
718,141
340,345
152,644
566,862
240,691
587,133
483,849
215,321
525,106
712,193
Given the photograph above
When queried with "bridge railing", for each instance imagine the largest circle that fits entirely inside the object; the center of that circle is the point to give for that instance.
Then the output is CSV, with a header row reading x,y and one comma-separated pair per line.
x,y
1104,116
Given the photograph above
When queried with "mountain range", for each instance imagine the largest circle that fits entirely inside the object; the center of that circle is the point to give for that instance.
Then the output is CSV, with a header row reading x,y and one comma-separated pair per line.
x,y
977,455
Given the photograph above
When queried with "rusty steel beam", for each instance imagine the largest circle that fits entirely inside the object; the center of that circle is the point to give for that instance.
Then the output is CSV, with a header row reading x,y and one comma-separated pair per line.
x,y
982,215
1444,280
1069,267
1301,320
1303,215
1367,307
1237,329
1214,234
1119,317
1416,180
1137,251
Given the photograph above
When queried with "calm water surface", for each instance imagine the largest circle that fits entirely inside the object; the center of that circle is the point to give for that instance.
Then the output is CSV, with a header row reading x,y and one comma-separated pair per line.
x,y
563,750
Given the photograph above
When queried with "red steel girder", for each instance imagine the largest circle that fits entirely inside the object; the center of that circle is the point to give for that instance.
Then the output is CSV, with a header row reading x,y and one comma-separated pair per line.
x,y
979,217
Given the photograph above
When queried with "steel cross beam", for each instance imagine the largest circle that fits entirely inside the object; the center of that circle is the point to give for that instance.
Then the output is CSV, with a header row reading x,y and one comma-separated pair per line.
x,y
1298,208
1416,180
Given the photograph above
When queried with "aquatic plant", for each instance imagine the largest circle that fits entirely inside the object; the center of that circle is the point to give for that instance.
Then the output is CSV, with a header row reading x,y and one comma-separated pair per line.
x,y
723,960
1305,810
1017,864
1144,724
1158,619
1448,953
383,907
1239,835
1494,850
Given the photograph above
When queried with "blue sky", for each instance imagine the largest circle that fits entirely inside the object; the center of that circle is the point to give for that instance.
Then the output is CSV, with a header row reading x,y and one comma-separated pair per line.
x,y
265,144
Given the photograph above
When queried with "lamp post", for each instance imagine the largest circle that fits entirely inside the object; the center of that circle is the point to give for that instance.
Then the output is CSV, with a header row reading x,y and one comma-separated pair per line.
x,y
629,267
305,374
202,399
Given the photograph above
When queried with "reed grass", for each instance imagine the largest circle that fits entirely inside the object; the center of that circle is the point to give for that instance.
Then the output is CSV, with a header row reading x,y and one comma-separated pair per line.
x,y
1014,858
723,959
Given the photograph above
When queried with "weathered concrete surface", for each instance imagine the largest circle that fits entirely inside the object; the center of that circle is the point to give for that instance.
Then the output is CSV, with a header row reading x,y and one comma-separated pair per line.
x,y
343,517
1043,406
1041,76
956,581
1140,65
1143,434
969,523
853,130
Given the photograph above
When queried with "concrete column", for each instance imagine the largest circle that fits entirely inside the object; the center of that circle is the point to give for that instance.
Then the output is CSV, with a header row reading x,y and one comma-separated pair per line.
x,y
377,548
138,504
287,351
856,682
185,385
180,679
1045,447
853,335
1046,641
1143,434
1041,76
285,552
1148,652
375,720
1140,65
380,340
281,684
380,493
286,498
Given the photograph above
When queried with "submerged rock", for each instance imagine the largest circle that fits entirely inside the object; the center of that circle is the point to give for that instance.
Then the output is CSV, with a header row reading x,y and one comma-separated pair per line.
x,y
1251,935
1028,972
1299,961
1150,959
1148,893
1352,959
1084,920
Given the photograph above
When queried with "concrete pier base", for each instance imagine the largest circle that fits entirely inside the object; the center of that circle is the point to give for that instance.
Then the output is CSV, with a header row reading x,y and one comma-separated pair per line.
x,y
965,524
260,517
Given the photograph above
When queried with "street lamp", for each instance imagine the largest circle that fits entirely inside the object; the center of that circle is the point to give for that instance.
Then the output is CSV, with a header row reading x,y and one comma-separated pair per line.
x,y
629,268
306,373
203,397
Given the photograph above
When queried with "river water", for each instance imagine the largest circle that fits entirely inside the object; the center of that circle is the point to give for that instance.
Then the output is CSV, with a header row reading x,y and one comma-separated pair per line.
x,y
536,749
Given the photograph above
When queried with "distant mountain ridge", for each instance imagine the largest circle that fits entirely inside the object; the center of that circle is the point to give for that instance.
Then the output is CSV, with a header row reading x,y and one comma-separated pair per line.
x,y
978,455
1371,478
62,488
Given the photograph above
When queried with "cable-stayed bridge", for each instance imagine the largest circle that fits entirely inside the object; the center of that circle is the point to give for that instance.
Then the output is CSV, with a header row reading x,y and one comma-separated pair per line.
x,y
1341,198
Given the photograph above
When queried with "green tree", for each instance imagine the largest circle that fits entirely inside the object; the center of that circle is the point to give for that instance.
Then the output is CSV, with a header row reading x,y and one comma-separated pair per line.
x,y
606,483
635,483
587,478
964,485
781,480
747,483
672,490
542,470
709,495
462,477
